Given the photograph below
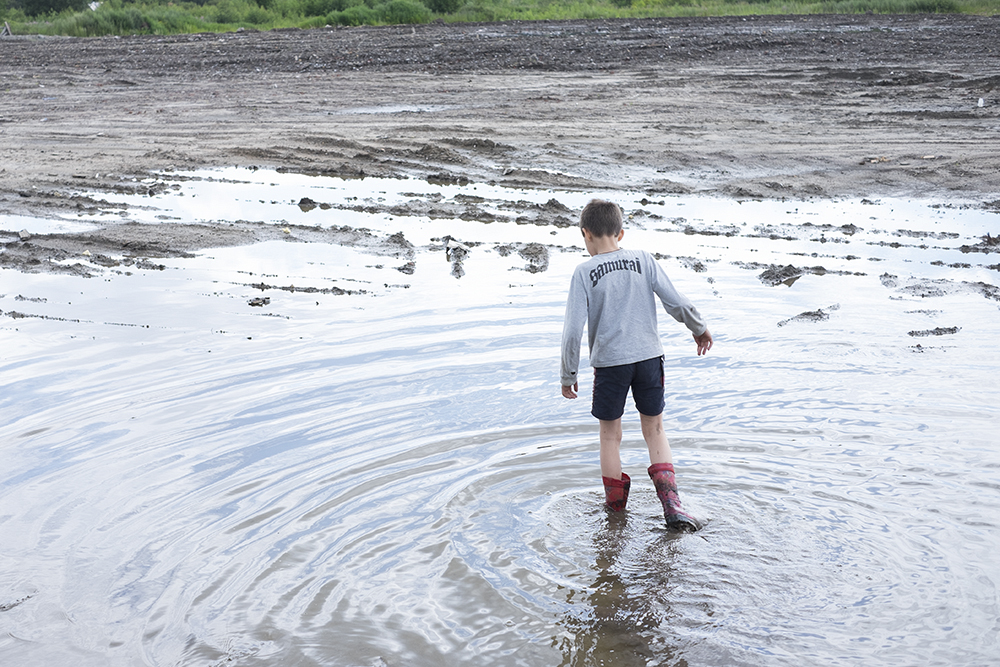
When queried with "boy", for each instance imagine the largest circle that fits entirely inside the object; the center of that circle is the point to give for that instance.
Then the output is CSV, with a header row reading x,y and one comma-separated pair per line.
x,y
613,293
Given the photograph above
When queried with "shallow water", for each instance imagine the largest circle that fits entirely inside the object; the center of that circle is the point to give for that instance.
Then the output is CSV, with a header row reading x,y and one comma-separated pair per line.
x,y
389,476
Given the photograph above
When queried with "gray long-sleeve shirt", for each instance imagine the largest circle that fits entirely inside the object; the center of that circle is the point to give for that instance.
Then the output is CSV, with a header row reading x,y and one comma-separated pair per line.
x,y
613,293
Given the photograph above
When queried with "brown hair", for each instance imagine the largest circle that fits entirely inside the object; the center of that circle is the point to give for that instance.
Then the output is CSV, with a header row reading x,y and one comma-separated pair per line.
x,y
601,218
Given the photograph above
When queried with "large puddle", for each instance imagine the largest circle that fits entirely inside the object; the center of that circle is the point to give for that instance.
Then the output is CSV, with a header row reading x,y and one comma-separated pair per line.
x,y
303,452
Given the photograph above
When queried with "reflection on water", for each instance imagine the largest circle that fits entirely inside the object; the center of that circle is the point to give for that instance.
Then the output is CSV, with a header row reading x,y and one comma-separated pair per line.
x,y
387,476
613,623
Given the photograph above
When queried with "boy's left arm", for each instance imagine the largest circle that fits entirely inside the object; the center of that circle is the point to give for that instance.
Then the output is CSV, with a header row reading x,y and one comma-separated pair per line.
x,y
704,342
681,309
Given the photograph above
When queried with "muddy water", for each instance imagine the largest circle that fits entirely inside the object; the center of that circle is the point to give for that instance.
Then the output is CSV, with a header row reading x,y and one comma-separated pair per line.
x,y
384,473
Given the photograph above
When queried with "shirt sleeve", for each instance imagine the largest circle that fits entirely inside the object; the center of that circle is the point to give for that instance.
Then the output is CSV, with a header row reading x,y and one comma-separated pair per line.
x,y
676,304
576,317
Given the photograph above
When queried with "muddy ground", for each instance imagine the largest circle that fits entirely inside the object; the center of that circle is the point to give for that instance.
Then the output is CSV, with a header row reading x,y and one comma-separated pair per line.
x,y
757,107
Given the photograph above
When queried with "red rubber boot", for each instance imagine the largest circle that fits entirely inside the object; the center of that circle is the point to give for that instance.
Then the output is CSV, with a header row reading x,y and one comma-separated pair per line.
x,y
677,519
616,492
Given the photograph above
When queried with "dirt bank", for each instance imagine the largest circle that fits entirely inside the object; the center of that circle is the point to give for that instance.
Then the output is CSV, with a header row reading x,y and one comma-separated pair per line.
x,y
765,107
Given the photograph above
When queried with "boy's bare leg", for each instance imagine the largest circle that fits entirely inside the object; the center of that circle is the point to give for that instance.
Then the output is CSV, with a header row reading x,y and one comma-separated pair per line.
x,y
611,441
616,482
656,439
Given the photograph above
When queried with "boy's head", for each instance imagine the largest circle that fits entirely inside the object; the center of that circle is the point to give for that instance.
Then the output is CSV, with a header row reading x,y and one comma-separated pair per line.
x,y
601,218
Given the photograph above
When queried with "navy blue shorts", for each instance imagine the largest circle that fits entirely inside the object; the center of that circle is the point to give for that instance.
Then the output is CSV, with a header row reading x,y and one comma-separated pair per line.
x,y
611,385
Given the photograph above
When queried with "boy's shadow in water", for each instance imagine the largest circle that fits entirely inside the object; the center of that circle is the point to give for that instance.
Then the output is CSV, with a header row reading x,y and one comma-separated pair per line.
x,y
623,626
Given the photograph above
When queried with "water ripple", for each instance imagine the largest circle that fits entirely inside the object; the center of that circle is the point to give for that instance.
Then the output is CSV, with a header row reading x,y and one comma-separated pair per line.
x,y
391,479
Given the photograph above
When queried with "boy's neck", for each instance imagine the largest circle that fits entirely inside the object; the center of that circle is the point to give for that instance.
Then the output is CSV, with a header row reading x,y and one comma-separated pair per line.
x,y
599,245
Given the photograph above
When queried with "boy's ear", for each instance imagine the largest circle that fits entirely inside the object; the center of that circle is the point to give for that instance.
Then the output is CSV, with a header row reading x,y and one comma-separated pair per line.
x,y
621,235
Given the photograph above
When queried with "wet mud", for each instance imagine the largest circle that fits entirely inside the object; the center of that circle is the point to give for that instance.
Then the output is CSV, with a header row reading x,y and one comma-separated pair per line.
x,y
132,244
746,107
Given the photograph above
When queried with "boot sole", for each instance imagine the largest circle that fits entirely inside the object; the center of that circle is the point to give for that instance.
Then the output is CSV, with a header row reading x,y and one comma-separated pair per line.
x,y
683,525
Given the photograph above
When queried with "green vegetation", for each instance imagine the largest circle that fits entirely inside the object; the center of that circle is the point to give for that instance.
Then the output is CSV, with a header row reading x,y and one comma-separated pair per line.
x,y
123,17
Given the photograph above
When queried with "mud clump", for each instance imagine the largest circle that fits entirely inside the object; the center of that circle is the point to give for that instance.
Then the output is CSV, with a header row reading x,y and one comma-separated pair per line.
x,y
553,212
444,178
455,252
263,301
483,145
536,254
818,315
926,288
147,265
10,604
777,275
693,263
937,331
986,245
808,316
774,275
889,280
399,241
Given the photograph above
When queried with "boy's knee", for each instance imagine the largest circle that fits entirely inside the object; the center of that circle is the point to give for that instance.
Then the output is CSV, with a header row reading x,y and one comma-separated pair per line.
x,y
651,422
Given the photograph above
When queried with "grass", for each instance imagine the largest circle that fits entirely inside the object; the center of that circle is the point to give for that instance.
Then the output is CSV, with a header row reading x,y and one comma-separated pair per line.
x,y
162,17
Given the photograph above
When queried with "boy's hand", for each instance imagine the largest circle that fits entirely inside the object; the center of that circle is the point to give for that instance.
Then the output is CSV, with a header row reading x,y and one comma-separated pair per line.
x,y
570,392
704,342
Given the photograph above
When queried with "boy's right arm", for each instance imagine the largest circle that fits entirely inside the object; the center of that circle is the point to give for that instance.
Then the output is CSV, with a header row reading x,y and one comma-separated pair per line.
x,y
576,317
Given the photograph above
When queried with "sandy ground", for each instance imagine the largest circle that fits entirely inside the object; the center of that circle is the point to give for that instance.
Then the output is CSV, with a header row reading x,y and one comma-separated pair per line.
x,y
759,107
